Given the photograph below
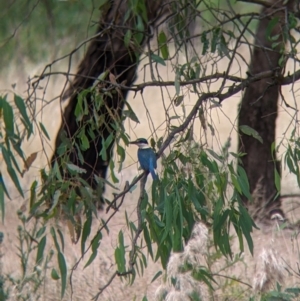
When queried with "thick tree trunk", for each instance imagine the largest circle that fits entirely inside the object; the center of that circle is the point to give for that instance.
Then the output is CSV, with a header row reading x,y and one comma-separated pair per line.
x,y
259,111
106,52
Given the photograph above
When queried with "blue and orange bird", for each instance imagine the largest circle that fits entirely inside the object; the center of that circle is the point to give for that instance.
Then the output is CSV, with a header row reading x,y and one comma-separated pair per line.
x,y
146,156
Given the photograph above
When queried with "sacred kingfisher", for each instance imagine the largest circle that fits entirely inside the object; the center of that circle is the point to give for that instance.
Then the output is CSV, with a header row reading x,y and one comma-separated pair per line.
x,y
146,156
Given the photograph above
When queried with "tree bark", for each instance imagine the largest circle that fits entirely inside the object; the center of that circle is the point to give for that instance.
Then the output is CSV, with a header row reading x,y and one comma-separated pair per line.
x,y
106,52
259,110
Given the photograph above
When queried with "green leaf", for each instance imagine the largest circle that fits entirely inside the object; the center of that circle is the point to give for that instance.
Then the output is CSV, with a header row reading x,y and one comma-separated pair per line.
x,y
178,100
13,156
222,47
131,115
54,274
105,146
19,102
177,84
8,117
4,187
293,290
282,60
140,28
120,254
40,232
61,236
205,43
121,152
84,141
271,25
127,38
236,184
274,38
203,275
112,172
144,260
277,180
245,222
11,171
40,250
63,272
101,3
103,75
2,203
215,155
79,153
162,44
168,213
243,182
75,168
52,231
17,147
148,240
215,39
55,200
247,130
290,164
156,58
95,245
44,131
156,276
56,171
86,231
142,10
82,107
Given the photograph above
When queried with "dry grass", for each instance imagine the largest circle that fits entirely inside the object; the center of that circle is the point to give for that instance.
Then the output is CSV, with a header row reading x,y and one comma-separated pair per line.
x,y
151,110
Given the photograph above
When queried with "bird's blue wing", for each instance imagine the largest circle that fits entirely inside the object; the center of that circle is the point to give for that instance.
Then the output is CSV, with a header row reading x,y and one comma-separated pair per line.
x,y
147,159
143,157
153,158
153,165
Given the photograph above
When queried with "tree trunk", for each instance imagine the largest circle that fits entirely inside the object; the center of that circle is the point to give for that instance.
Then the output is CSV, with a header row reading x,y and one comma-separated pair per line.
x,y
259,110
106,52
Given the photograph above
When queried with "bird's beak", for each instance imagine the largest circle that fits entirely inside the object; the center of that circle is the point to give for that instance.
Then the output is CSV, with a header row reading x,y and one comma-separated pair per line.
x,y
133,142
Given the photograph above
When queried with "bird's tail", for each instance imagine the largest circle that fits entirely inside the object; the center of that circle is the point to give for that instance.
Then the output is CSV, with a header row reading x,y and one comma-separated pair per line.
x,y
154,174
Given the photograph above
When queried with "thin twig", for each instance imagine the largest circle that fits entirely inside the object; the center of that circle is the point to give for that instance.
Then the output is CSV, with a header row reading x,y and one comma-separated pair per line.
x,y
261,2
140,222
99,230
113,276
233,56
134,240
127,189
231,278
290,195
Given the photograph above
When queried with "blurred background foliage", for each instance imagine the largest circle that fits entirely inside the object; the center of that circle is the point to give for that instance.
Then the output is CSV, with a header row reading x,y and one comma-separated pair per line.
x,y
32,31
35,30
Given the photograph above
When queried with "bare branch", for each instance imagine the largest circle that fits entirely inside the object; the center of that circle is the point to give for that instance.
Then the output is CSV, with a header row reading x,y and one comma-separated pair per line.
x,y
260,2
101,290
123,193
